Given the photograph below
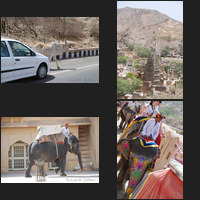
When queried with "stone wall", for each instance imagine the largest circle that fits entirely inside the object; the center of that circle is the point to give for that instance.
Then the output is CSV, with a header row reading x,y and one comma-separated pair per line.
x,y
168,147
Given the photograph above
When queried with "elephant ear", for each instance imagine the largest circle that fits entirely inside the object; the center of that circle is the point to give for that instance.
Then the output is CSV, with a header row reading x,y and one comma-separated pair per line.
x,y
124,148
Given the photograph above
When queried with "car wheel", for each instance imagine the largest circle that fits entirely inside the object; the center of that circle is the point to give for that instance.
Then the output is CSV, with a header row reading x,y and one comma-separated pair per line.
x,y
42,71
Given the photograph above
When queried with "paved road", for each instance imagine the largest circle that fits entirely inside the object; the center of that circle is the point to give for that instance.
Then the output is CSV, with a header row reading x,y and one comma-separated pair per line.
x,y
75,70
72,177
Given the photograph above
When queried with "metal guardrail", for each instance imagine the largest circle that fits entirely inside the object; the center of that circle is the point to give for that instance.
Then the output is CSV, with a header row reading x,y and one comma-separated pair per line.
x,y
81,52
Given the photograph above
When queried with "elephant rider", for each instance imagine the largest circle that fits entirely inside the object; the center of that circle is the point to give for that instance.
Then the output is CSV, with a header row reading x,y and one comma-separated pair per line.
x,y
39,135
152,108
132,105
65,131
150,111
152,127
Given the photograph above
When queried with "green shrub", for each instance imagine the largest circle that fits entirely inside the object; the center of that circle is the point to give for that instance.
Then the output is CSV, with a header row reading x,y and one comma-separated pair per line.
x,y
167,67
165,51
142,51
180,83
136,82
131,46
127,86
123,87
122,59
178,70
130,75
136,63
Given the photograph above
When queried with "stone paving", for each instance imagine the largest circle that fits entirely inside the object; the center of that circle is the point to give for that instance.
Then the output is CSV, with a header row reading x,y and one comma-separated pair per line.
x,y
72,177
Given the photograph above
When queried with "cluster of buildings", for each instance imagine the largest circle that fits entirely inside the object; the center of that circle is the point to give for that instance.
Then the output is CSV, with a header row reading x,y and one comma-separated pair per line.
x,y
152,72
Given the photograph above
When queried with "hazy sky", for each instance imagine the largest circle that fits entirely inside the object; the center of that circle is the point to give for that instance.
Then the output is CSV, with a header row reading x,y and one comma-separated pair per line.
x,y
173,9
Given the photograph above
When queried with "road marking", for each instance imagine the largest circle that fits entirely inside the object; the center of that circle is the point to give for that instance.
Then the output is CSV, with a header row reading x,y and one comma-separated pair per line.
x,y
60,72
78,68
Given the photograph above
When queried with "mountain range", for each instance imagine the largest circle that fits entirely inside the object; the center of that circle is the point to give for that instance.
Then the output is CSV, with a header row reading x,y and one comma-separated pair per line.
x,y
148,28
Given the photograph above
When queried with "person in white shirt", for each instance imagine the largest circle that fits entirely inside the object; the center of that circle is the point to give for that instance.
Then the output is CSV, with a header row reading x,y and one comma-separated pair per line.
x,y
65,131
152,127
152,109
39,135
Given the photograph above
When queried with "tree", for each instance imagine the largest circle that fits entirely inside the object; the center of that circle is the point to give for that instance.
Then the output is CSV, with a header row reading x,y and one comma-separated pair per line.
x,y
130,75
143,51
123,87
131,46
93,26
135,83
167,67
121,59
127,86
178,70
165,51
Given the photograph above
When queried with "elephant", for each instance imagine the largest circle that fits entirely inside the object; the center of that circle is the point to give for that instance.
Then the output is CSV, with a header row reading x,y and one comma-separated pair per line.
x,y
127,115
46,152
135,161
132,131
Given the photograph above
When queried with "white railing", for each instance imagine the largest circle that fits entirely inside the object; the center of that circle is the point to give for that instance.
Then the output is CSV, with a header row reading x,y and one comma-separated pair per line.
x,y
80,52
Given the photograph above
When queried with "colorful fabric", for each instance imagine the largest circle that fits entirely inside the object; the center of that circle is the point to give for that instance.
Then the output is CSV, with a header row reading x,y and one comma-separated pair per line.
x,y
158,139
138,119
118,154
124,149
146,142
162,184
151,167
122,108
159,116
62,143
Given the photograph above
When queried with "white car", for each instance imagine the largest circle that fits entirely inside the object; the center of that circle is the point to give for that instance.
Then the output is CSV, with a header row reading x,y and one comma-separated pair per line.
x,y
19,61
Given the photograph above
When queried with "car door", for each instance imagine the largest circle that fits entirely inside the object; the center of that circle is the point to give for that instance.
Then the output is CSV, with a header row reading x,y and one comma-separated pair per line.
x,y
24,60
7,63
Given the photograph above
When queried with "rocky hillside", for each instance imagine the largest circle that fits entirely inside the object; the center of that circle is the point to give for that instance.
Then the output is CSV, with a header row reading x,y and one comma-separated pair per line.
x,y
144,27
77,32
173,111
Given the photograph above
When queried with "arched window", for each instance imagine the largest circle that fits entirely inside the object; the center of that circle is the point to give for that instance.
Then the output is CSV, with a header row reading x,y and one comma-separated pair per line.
x,y
18,156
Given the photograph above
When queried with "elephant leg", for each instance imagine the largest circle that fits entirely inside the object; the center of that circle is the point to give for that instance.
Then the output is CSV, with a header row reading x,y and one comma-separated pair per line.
x,y
124,124
122,120
80,162
58,164
137,171
123,169
62,165
127,175
28,170
119,164
127,116
123,117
